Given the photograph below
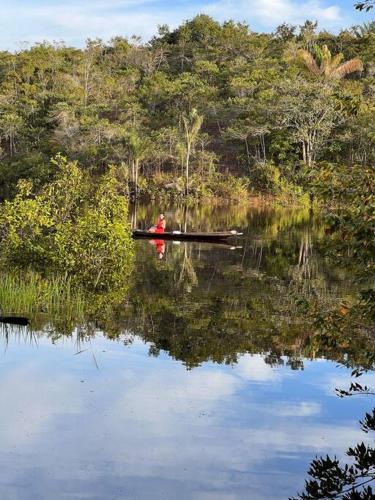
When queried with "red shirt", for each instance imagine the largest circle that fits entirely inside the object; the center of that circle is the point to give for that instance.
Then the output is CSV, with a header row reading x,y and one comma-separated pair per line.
x,y
160,225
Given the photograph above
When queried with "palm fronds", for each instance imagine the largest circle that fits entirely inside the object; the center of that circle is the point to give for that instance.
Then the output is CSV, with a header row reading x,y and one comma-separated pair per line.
x,y
324,64
309,61
347,68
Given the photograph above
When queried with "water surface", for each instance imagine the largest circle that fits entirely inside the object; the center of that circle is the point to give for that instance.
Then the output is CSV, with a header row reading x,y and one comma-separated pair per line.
x,y
206,384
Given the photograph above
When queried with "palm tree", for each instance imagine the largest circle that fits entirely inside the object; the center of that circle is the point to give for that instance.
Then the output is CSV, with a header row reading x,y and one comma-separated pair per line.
x,y
328,66
192,124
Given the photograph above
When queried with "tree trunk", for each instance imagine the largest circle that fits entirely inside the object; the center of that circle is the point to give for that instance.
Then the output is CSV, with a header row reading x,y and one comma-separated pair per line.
x,y
187,170
11,144
185,218
309,154
86,87
133,171
263,143
248,155
136,168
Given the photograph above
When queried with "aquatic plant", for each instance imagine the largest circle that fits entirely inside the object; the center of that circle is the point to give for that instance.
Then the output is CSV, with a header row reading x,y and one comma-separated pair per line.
x,y
28,293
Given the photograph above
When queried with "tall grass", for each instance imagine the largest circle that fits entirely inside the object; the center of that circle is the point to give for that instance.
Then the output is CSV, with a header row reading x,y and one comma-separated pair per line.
x,y
28,293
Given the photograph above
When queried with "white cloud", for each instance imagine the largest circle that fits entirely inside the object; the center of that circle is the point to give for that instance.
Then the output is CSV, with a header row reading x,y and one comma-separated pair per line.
x,y
76,21
270,13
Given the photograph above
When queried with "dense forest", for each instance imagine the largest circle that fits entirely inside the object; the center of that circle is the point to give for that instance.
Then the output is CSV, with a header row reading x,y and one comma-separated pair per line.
x,y
205,109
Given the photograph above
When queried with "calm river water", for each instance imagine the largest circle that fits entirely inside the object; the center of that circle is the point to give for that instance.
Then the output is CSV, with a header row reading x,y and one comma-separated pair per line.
x,y
207,384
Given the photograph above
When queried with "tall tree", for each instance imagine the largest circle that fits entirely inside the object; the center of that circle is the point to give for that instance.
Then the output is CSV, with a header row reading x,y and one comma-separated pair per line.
x,y
138,147
191,125
10,127
310,112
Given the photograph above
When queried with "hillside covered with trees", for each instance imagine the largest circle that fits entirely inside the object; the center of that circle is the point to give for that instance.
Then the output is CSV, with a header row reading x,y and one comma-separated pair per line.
x,y
206,109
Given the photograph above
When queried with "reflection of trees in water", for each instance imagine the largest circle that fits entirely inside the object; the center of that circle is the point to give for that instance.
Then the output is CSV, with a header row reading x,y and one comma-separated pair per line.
x,y
213,217
236,307
225,315
206,303
308,278
254,248
18,334
56,306
304,255
187,276
133,216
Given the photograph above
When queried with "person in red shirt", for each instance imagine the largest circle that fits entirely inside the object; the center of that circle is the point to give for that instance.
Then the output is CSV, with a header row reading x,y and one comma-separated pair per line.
x,y
160,225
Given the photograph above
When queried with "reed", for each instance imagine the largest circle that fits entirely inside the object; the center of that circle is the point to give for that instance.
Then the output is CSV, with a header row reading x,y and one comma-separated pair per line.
x,y
28,293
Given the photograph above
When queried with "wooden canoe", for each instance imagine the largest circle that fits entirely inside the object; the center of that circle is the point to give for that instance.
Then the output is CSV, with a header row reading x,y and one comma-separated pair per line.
x,y
180,236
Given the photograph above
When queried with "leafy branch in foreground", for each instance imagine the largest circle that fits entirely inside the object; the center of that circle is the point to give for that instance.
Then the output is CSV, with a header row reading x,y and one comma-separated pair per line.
x,y
355,388
366,5
331,478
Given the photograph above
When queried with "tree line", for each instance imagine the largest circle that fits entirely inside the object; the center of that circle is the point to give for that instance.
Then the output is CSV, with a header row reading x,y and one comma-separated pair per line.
x,y
196,109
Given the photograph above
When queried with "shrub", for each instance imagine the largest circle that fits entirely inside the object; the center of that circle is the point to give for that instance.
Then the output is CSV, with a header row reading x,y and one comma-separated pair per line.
x,y
72,225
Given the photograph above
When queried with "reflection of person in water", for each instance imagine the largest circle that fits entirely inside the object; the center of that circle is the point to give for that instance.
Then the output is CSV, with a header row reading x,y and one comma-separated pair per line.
x,y
159,246
160,225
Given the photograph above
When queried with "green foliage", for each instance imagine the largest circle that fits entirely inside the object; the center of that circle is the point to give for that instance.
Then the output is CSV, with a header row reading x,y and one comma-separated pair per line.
x,y
349,194
169,188
74,225
127,103
30,166
28,293
227,187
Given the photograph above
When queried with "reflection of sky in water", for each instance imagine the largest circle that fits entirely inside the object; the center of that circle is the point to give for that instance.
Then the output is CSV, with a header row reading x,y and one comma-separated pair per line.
x,y
144,427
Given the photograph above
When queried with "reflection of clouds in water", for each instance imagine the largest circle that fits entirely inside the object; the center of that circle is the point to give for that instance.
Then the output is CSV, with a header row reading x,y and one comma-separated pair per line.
x,y
253,367
31,400
300,409
150,425
178,415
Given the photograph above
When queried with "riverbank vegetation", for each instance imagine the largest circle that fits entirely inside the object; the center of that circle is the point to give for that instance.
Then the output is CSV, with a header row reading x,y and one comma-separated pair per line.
x,y
67,245
207,109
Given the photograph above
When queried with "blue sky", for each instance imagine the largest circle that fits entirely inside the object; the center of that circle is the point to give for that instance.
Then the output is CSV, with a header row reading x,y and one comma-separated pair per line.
x,y
75,20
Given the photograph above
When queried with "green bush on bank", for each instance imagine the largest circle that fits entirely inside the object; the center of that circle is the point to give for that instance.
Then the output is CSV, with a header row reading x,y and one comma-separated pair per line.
x,y
35,166
72,225
348,196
